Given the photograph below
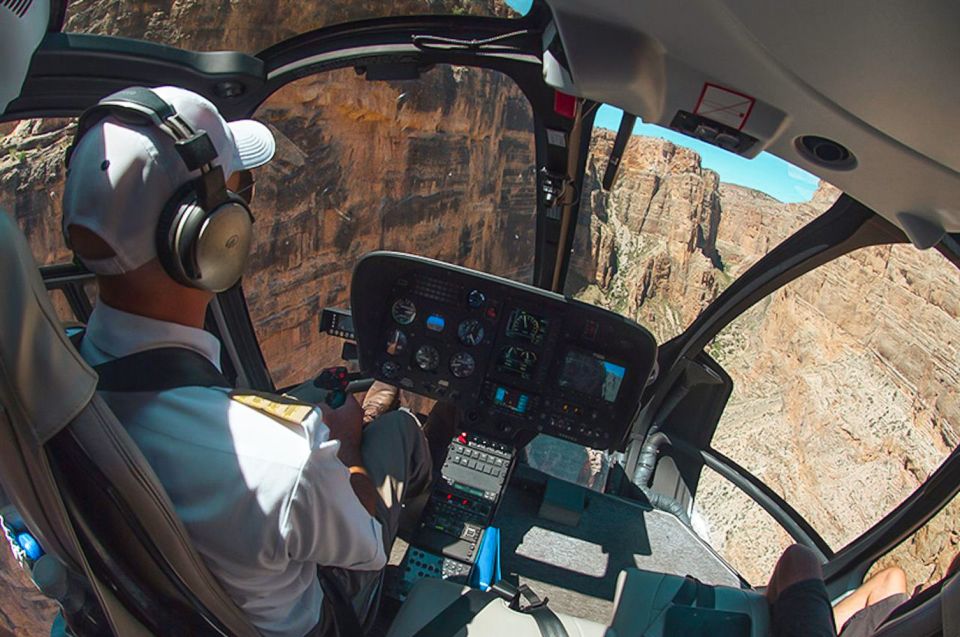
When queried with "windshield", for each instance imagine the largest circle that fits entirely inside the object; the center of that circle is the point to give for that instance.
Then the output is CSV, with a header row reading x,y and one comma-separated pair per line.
x,y
682,221
442,167
251,26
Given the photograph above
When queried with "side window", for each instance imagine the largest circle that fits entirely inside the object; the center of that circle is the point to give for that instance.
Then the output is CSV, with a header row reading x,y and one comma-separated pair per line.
x,y
846,393
681,222
31,182
32,175
738,528
442,167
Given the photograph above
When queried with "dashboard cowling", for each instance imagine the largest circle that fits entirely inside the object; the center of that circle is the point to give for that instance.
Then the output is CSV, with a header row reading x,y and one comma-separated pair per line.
x,y
516,360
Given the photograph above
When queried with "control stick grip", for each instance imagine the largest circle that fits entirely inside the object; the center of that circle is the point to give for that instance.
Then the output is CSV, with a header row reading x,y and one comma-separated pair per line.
x,y
334,380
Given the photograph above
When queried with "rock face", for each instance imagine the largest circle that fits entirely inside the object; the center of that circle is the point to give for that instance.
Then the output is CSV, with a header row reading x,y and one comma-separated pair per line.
x,y
397,166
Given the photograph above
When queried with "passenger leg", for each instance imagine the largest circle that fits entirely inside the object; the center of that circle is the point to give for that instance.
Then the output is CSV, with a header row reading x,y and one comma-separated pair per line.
x,y
799,605
887,583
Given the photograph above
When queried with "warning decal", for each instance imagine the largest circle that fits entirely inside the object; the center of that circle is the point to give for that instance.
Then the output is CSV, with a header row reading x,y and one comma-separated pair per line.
x,y
724,105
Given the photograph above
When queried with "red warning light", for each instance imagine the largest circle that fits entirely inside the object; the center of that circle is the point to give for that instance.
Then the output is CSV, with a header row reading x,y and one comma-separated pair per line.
x,y
465,502
565,105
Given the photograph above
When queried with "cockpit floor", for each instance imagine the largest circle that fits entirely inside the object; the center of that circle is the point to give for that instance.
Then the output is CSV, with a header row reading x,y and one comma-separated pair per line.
x,y
577,567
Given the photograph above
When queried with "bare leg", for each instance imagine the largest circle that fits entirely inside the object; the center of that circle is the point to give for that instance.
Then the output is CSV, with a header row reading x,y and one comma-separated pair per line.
x,y
889,581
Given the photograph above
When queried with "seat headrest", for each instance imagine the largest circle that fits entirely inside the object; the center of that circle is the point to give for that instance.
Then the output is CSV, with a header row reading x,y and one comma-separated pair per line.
x,y
41,374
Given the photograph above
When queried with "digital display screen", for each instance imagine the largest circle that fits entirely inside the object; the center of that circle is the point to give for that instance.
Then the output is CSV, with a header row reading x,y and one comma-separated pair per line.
x,y
523,324
435,323
517,360
512,399
343,322
585,373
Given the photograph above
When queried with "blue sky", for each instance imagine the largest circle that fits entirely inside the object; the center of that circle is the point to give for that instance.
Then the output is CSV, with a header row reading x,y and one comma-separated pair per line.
x,y
765,172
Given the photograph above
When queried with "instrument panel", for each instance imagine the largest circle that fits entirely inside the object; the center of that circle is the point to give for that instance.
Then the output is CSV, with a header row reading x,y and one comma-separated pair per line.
x,y
516,359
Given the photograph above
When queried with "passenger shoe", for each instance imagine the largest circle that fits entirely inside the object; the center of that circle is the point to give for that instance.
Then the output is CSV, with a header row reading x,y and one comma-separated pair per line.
x,y
379,399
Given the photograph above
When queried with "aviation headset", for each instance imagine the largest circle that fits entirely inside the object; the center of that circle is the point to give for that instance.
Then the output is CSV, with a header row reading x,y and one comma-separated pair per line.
x,y
204,232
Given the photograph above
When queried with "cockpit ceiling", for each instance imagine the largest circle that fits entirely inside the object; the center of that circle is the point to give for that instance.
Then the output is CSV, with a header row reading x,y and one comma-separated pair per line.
x,y
881,78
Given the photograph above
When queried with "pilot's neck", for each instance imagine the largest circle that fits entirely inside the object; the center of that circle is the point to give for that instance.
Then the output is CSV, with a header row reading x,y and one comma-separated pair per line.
x,y
159,299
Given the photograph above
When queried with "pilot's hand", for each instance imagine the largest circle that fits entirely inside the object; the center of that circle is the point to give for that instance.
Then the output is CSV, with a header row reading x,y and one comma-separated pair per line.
x,y
346,425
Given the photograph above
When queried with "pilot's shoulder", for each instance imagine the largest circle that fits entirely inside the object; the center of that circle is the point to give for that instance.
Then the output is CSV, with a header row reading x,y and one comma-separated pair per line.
x,y
286,411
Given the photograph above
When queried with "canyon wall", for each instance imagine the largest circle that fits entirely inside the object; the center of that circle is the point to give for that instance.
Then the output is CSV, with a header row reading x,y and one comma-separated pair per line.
x,y
441,167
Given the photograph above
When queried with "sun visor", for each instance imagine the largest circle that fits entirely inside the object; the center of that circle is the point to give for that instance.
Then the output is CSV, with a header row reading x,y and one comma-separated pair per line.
x,y
43,381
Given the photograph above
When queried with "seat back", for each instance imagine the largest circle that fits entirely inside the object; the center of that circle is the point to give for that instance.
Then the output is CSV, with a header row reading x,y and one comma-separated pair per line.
x,y
937,615
643,596
79,481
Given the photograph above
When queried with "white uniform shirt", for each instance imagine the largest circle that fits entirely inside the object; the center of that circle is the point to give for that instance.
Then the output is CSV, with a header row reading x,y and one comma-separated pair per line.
x,y
263,502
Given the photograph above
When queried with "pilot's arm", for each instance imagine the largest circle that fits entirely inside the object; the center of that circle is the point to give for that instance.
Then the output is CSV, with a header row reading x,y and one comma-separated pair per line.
x,y
325,522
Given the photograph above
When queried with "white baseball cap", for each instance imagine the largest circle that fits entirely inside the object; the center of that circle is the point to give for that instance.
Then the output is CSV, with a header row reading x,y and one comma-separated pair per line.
x,y
121,175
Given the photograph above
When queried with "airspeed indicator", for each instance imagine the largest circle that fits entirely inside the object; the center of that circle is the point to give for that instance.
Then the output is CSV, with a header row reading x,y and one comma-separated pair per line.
x,y
404,311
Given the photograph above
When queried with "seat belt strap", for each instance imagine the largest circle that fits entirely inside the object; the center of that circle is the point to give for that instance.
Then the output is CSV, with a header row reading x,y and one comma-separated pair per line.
x,y
950,607
523,599
159,369
548,622
154,369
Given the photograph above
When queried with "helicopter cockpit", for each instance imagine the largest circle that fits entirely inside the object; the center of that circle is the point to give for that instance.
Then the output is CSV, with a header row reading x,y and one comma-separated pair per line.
x,y
687,274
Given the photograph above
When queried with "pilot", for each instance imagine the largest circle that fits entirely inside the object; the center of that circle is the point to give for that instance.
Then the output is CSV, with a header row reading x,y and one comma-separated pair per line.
x,y
269,490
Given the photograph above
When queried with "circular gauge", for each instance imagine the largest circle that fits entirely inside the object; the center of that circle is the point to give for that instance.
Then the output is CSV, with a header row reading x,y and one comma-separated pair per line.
x,y
476,299
470,332
403,311
390,369
462,364
396,342
427,358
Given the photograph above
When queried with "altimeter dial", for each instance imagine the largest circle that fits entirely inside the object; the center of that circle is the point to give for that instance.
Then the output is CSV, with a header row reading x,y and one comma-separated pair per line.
x,y
470,332
462,364
427,358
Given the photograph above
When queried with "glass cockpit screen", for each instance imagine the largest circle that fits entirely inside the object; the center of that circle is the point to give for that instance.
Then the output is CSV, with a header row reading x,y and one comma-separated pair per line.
x,y
585,373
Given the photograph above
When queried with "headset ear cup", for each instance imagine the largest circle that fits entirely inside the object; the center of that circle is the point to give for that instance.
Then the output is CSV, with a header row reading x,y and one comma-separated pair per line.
x,y
221,245
169,233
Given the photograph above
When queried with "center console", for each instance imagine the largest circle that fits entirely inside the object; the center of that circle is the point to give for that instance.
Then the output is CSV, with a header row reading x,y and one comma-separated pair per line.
x,y
462,504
